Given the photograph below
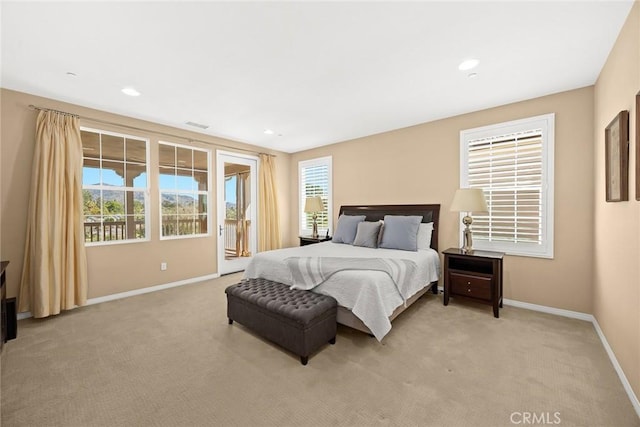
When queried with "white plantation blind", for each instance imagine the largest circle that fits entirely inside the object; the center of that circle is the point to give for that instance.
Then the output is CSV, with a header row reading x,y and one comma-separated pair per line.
x,y
509,170
315,180
512,164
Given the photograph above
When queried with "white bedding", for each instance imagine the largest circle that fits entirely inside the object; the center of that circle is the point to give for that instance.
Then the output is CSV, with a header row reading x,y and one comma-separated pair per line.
x,y
371,295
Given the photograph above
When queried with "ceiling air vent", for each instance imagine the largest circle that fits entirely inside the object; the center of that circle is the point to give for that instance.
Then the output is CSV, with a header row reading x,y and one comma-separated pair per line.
x,y
198,125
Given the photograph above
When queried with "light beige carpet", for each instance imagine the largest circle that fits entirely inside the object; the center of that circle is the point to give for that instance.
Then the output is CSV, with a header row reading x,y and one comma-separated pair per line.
x,y
169,358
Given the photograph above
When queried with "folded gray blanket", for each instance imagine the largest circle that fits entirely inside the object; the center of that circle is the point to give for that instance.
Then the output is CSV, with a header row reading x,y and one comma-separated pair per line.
x,y
309,272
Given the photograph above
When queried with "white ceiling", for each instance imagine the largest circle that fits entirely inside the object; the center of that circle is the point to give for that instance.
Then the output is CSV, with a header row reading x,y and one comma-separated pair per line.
x,y
315,73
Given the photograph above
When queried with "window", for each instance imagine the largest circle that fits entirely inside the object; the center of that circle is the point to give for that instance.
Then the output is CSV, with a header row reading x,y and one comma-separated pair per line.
x,y
184,190
315,180
513,163
114,186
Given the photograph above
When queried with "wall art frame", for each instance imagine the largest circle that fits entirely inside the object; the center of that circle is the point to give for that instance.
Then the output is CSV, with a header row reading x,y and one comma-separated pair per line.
x,y
638,146
616,137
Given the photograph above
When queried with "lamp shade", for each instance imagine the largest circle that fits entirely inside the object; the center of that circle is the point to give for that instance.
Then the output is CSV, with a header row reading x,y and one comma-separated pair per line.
x,y
469,200
313,204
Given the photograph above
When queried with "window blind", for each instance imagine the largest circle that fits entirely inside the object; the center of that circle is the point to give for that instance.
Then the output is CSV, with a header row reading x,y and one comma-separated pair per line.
x,y
510,171
315,180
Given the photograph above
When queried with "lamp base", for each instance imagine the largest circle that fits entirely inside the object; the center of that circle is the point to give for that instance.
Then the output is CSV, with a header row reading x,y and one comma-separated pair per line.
x,y
314,232
468,244
468,239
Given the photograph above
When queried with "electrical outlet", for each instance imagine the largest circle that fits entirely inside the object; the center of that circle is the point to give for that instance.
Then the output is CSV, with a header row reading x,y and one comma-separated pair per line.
x,y
163,266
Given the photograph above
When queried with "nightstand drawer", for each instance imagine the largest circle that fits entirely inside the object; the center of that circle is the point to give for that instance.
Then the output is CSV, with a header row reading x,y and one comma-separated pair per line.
x,y
471,286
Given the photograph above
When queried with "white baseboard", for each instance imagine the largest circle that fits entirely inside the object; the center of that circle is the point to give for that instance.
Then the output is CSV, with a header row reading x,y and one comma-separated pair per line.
x,y
544,309
120,295
618,368
589,318
151,289
550,310
23,315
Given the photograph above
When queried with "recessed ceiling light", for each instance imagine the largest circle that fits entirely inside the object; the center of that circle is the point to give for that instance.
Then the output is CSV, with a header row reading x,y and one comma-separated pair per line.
x,y
130,91
268,132
69,73
468,64
472,75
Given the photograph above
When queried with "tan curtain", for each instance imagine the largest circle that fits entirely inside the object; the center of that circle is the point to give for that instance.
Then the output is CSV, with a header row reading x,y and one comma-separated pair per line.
x,y
268,217
54,273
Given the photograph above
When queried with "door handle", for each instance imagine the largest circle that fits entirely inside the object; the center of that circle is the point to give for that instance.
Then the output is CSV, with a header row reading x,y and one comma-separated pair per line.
x,y
221,230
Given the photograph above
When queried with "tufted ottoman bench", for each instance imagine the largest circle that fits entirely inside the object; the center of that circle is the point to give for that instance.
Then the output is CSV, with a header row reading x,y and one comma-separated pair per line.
x,y
300,321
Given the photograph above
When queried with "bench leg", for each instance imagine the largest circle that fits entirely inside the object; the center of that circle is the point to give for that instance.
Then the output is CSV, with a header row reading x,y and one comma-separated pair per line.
x,y
332,341
304,359
230,321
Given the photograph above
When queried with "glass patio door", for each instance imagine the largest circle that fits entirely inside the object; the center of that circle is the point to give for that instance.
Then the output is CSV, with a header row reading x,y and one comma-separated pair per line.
x,y
237,210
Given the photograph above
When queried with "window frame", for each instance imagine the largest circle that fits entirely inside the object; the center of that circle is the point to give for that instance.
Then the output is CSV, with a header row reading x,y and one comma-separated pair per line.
x,y
546,123
319,161
146,191
208,193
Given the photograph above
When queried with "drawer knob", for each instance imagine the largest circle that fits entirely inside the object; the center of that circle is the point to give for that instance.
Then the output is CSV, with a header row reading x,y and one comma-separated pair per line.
x,y
468,283
468,290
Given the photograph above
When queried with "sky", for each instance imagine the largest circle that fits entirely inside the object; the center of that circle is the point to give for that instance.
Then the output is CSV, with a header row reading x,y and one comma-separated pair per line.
x,y
230,190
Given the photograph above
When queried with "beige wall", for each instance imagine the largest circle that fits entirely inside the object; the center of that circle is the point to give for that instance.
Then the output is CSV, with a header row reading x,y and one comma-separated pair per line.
x,y
112,268
617,225
420,164
1,190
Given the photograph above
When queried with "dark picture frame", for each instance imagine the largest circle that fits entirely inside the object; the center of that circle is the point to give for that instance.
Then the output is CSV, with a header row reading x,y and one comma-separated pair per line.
x,y
638,146
616,137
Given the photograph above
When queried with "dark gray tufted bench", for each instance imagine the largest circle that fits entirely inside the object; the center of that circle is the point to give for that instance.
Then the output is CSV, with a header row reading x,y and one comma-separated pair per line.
x,y
300,321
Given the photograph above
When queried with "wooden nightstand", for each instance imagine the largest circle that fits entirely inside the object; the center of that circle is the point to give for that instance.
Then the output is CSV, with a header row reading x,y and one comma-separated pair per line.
x,y
476,275
308,240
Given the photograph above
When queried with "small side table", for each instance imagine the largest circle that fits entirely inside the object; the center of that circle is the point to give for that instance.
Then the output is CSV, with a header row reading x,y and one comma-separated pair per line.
x,y
476,275
308,240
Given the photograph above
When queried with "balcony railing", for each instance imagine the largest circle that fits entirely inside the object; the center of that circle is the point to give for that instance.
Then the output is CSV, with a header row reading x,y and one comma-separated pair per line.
x,y
184,227
236,233
236,237
112,230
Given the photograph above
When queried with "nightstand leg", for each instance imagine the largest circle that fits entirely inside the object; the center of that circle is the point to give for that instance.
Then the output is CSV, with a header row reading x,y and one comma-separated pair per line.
x,y
496,314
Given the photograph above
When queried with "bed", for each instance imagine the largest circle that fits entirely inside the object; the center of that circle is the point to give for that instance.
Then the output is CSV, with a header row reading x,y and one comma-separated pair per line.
x,y
368,300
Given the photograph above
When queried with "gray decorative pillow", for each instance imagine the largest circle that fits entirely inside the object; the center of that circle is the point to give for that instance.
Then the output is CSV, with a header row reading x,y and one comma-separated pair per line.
x,y
401,232
367,234
347,228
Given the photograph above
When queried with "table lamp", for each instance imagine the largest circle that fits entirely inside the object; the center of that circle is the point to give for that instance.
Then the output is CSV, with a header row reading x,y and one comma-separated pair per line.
x,y
468,200
313,205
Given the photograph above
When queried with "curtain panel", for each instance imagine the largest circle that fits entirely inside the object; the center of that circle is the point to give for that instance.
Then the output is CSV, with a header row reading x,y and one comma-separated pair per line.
x,y
268,216
54,272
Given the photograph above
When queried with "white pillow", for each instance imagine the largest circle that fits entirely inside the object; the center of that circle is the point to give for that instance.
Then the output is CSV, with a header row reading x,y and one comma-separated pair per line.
x,y
424,235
